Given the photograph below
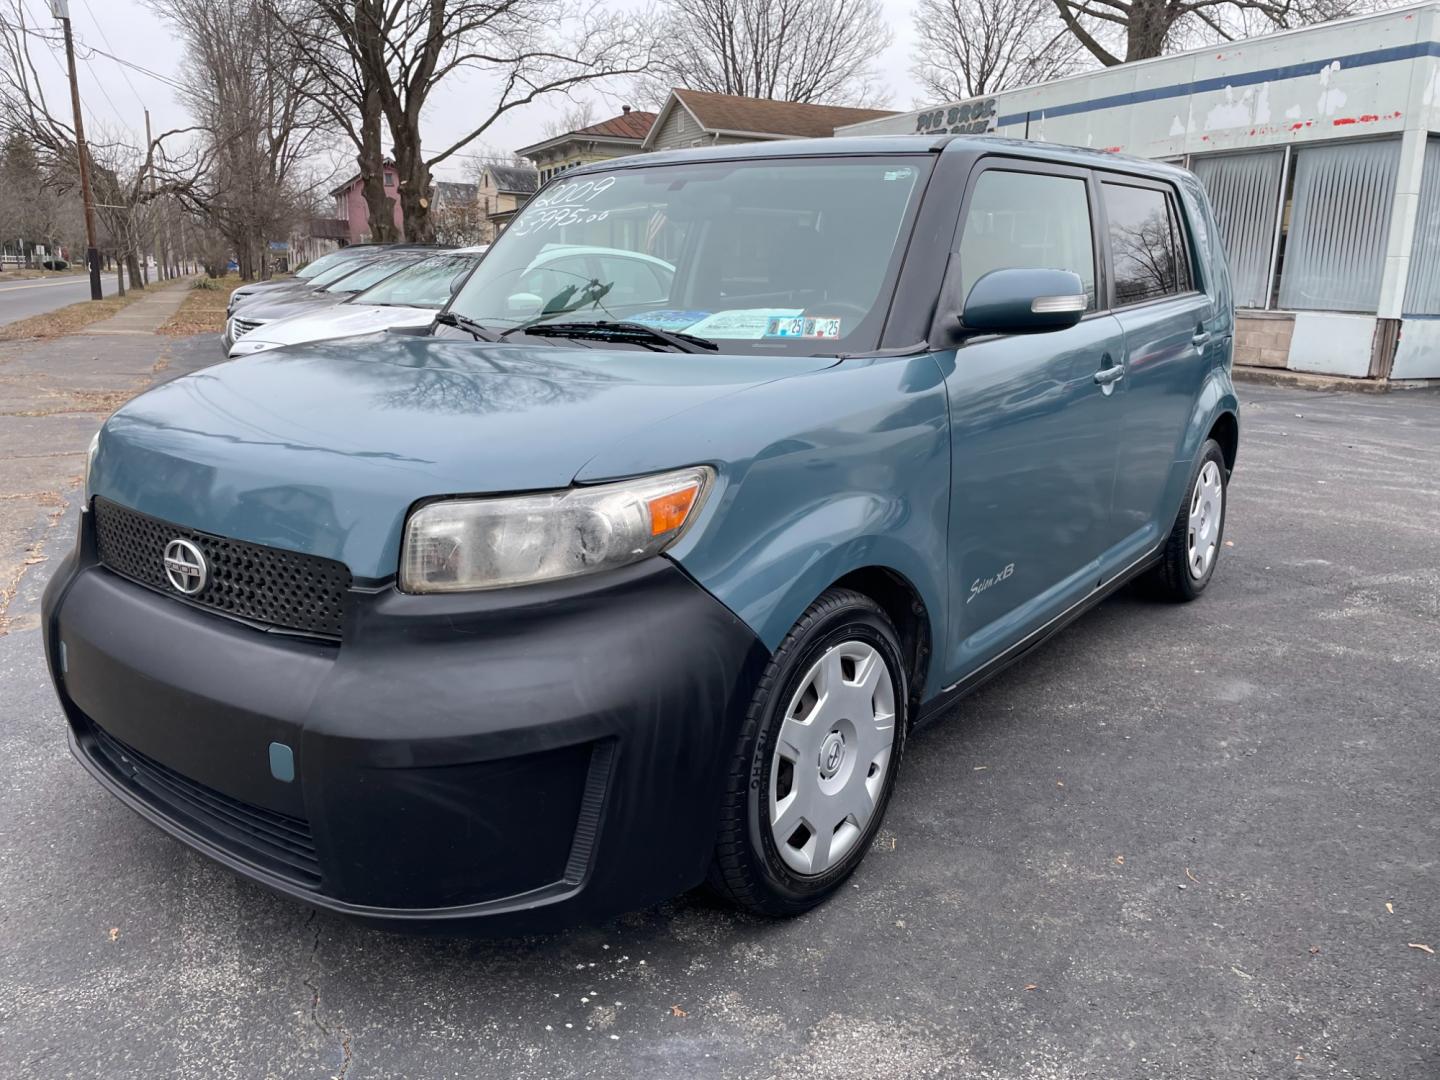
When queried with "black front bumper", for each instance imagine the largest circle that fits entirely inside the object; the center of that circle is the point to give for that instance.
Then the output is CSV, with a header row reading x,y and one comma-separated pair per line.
x,y
526,758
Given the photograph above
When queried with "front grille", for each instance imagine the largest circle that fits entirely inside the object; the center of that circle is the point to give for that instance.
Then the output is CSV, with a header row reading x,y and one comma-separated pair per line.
x,y
240,327
279,589
277,842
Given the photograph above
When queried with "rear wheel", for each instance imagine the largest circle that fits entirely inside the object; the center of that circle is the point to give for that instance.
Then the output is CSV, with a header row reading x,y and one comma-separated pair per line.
x,y
816,761
1193,548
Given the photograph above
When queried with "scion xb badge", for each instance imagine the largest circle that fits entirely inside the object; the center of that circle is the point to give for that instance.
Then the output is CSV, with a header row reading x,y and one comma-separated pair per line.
x,y
185,566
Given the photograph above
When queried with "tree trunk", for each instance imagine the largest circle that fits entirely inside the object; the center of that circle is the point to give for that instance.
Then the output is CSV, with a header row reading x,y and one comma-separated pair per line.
x,y
414,191
119,278
371,160
132,262
1149,26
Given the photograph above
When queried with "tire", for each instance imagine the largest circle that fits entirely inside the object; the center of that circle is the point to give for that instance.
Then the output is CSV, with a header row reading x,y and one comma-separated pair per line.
x,y
1179,577
836,759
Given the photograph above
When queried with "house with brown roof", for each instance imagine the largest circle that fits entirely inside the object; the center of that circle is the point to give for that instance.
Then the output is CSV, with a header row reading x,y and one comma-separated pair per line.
x,y
501,190
698,118
616,137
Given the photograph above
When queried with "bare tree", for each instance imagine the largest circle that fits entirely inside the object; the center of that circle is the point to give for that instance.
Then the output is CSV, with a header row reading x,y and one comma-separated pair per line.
x,y
969,48
244,83
1118,31
579,114
125,180
397,51
331,73
817,51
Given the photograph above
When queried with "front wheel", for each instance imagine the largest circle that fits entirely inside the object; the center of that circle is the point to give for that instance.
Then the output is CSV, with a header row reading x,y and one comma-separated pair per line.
x,y
1191,551
816,761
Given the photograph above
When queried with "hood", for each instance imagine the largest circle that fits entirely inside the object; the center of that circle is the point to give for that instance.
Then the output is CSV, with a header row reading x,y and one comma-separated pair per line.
x,y
323,448
265,291
342,320
269,307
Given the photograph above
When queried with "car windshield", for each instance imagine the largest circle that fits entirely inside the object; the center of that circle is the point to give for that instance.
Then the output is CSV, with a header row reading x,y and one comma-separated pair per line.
x,y
427,284
369,273
332,274
326,263
792,255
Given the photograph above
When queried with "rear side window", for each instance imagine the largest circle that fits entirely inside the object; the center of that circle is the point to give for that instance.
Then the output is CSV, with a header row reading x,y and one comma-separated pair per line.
x,y
1147,244
1024,220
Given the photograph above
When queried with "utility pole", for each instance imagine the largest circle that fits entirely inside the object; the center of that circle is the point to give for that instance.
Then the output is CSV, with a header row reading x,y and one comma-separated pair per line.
x,y
61,10
154,225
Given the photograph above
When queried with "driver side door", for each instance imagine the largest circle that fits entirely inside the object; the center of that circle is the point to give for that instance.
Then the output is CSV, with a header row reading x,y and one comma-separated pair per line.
x,y
1034,419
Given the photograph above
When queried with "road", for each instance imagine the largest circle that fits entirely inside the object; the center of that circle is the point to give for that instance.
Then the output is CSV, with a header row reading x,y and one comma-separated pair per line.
x,y
21,299
1179,842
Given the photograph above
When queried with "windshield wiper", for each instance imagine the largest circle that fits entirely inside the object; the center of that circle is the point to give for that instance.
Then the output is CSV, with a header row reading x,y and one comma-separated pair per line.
x,y
470,326
621,331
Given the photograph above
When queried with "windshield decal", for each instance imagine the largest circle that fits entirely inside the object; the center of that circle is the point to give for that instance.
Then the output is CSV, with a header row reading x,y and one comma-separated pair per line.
x,y
743,324
669,320
565,204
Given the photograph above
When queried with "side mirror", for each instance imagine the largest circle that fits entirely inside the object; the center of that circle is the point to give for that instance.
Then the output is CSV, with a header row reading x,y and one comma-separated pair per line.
x,y
1024,301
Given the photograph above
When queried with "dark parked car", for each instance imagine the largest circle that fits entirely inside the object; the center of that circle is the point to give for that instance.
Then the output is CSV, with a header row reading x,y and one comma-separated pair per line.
x,y
636,568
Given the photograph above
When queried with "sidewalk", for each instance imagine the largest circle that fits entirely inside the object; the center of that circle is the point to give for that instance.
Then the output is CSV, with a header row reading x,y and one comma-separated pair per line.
x,y
147,314
53,397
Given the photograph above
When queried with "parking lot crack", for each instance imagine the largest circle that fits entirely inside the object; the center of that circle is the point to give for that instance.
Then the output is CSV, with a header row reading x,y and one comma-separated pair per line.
x,y
340,1036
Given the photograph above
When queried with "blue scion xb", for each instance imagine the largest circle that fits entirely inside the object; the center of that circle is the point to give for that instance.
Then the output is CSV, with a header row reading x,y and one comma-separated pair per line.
x,y
722,471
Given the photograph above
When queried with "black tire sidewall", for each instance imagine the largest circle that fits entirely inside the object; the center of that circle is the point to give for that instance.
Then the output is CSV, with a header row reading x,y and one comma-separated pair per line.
x,y
859,620
1209,452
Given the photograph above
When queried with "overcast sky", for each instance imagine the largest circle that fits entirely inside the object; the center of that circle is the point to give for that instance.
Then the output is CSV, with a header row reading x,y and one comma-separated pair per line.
x,y
115,97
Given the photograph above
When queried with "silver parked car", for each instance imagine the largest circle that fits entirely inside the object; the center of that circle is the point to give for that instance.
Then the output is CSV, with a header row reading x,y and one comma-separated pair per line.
x,y
338,286
409,298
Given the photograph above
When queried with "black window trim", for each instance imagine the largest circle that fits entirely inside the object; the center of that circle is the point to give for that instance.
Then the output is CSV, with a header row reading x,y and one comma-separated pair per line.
x,y
1176,205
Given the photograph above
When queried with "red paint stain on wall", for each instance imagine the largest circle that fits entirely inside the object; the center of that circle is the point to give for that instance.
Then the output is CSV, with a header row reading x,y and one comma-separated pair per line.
x,y
1342,121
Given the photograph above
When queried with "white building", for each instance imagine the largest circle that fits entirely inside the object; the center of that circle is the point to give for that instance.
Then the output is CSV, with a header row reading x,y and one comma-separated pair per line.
x,y
1319,148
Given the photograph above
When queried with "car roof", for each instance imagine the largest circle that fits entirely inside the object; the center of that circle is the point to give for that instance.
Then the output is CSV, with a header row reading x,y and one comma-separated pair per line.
x,y
870,145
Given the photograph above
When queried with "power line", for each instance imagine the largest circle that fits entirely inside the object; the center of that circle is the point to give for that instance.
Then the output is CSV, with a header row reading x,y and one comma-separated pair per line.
x,y
137,67
51,44
93,49
106,38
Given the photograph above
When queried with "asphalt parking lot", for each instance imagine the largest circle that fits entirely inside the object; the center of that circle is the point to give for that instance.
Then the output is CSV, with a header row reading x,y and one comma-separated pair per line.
x,y
1196,841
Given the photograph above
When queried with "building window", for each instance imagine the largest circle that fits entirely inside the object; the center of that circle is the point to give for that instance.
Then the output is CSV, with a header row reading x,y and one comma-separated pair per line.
x,y
1339,224
1422,288
1244,191
389,179
1147,244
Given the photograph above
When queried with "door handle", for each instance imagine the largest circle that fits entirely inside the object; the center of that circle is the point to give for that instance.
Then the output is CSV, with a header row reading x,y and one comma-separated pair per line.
x,y
1108,375
1200,338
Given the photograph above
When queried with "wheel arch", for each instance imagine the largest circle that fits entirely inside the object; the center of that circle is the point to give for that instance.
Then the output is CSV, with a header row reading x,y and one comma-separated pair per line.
x,y
907,611
1225,430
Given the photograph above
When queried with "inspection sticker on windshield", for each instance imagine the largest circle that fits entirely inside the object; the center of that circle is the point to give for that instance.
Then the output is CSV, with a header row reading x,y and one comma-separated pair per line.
x,y
669,320
822,326
743,323
804,326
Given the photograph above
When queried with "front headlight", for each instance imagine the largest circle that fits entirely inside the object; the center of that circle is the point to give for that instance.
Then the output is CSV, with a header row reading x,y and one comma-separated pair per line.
x,y
462,544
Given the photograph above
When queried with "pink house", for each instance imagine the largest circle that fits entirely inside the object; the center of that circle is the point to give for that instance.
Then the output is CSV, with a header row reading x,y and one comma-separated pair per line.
x,y
350,205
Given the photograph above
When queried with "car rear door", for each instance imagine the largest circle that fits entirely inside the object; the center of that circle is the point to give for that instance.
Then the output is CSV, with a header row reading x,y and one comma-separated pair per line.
x,y
1034,422
1159,300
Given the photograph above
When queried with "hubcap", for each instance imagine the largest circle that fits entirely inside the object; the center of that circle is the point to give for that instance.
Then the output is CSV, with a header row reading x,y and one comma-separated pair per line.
x,y
831,758
1207,507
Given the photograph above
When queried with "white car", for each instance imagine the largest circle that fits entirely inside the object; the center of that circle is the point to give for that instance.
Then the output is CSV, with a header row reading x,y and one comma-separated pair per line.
x,y
409,298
